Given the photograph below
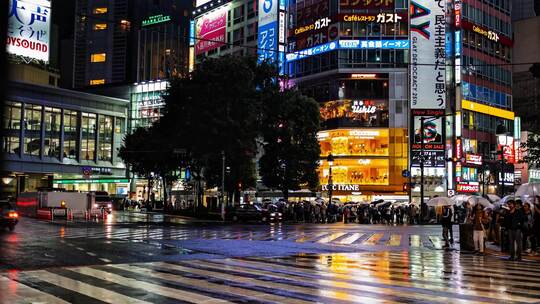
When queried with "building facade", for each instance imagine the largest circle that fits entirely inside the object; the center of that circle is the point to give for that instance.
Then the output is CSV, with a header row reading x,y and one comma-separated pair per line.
x,y
63,139
482,51
351,56
128,41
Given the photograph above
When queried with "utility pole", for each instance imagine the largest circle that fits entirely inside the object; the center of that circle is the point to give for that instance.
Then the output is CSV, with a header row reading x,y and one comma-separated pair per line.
x,y
223,185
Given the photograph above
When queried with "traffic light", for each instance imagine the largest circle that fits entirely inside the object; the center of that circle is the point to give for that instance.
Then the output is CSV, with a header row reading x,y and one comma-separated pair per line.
x,y
535,70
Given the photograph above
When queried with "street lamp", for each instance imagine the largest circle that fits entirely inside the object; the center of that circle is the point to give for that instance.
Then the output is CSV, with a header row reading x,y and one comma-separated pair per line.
x,y
330,160
502,140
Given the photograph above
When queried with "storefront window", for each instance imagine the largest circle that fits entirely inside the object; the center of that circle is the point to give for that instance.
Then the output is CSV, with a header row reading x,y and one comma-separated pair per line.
x,y
354,113
88,142
120,127
12,127
354,142
52,132
70,134
105,138
356,171
372,88
32,129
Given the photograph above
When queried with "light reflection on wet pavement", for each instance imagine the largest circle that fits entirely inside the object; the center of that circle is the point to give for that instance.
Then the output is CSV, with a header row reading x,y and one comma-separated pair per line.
x,y
381,277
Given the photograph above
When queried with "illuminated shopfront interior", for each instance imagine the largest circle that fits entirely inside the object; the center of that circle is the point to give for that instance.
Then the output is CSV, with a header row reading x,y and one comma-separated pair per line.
x,y
362,171
354,142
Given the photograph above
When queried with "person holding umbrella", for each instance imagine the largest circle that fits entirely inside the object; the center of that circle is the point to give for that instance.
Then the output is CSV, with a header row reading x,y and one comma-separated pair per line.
x,y
514,221
446,222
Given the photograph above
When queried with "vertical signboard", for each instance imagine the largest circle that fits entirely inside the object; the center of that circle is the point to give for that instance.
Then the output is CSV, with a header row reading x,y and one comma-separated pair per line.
x,y
29,23
268,30
433,138
191,59
428,34
211,30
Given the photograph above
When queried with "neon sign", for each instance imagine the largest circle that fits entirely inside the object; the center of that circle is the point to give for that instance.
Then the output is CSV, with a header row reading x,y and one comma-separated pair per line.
x,y
156,19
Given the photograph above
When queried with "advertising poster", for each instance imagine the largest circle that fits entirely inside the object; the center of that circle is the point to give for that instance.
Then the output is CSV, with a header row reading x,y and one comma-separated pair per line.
x,y
211,30
268,30
433,138
29,23
428,42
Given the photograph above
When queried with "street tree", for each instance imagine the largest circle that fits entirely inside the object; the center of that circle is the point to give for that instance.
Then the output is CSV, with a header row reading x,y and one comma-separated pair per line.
x,y
531,150
215,110
291,150
149,154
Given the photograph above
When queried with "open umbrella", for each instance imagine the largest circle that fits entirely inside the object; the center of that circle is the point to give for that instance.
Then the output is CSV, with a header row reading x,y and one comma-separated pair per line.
x,y
528,189
493,198
440,201
460,198
476,199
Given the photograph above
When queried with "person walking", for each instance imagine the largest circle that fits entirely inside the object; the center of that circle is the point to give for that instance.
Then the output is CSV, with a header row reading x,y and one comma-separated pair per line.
x,y
478,220
514,221
446,222
536,225
527,230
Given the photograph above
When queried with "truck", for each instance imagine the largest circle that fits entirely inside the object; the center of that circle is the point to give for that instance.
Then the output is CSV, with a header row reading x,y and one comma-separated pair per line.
x,y
103,201
56,202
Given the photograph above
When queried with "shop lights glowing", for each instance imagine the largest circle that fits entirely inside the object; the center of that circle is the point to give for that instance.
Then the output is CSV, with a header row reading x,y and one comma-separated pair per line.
x,y
348,45
363,76
364,133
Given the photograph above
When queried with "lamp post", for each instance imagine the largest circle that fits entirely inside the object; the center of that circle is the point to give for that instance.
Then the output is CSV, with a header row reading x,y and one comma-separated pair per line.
x,y
330,160
502,141
223,185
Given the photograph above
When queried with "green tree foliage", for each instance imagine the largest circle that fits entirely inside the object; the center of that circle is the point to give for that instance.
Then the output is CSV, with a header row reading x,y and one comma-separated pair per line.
x,y
218,109
291,150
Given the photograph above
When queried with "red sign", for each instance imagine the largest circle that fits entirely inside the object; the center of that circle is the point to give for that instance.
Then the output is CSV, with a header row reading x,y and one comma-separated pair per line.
x,y
459,149
474,159
468,188
457,13
508,152
487,33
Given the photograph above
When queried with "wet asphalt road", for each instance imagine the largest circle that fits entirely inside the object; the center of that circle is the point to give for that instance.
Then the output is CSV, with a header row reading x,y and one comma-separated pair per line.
x,y
137,258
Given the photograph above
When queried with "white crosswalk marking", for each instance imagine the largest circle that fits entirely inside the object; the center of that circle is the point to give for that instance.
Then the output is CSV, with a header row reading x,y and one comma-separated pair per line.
x,y
381,277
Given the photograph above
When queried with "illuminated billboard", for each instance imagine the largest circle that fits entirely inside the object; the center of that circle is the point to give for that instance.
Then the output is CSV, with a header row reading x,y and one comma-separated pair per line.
x,y
29,23
428,53
211,30
268,30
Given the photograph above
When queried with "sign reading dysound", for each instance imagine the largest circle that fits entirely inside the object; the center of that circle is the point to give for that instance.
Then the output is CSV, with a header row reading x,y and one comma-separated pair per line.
x,y
29,23
428,65
268,30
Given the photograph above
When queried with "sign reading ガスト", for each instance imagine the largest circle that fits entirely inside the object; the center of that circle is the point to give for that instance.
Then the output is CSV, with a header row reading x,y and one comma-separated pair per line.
x,y
28,28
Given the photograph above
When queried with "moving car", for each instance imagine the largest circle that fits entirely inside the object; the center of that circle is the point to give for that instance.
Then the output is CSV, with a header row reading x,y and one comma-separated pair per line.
x,y
103,201
246,212
8,216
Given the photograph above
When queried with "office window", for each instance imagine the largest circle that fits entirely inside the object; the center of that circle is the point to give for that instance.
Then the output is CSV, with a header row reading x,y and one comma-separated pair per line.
x,y
53,117
97,81
88,140
100,27
32,129
105,138
71,134
12,127
100,10
98,57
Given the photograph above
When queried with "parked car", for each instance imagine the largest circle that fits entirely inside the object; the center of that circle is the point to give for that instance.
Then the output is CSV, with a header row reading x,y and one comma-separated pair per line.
x,y
246,212
8,215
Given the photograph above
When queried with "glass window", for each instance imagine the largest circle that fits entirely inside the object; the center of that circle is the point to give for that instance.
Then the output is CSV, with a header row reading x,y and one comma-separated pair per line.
x,y
52,132
100,10
12,127
98,57
32,129
88,141
105,138
120,125
100,26
71,134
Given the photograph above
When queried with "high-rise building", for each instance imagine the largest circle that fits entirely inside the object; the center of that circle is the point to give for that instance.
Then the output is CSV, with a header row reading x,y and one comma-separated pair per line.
x,y
482,54
128,41
523,9
352,56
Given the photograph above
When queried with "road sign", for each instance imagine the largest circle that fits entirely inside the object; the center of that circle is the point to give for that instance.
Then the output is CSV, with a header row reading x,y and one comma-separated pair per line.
x,y
451,192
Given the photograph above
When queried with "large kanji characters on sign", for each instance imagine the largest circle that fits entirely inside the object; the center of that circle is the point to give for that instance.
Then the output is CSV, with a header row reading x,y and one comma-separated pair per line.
x,y
28,28
428,54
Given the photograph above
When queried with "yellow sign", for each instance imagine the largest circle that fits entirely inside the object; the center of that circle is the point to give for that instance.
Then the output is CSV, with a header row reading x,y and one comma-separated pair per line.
x,y
485,109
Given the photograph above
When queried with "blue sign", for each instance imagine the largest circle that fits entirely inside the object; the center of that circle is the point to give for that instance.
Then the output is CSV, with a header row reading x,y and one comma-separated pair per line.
x,y
348,45
267,42
282,4
457,43
192,32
